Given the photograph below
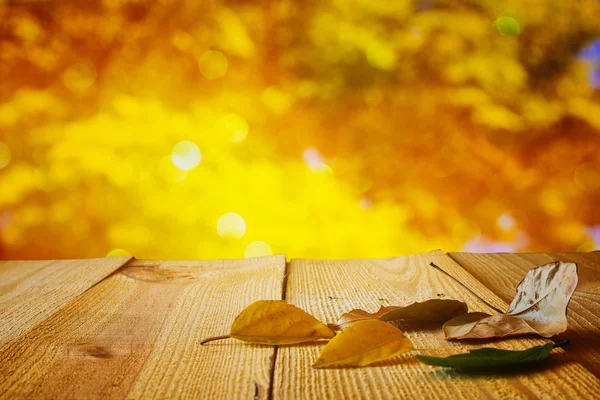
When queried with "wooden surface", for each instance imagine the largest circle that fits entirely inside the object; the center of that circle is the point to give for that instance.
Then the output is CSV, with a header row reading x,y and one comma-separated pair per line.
x,y
502,272
329,288
31,291
119,329
136,335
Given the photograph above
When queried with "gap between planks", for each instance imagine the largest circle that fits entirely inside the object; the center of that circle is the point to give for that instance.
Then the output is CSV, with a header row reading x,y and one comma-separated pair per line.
x,y
115,272
276,349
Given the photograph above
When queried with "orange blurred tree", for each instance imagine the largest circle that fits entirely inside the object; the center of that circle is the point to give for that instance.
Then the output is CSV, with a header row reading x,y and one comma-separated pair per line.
x,y
439,122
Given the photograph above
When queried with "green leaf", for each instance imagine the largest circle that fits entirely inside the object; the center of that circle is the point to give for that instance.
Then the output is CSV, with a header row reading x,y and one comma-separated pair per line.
x,y
490,358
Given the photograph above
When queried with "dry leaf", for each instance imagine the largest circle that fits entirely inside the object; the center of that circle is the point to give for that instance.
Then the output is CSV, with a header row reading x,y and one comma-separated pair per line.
x,y
479,325
276,322
540,307
363,343
433,310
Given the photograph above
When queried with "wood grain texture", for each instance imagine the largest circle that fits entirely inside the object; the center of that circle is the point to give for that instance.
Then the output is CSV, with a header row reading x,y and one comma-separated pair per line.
x,y
31,291
136,335
329,288
502,272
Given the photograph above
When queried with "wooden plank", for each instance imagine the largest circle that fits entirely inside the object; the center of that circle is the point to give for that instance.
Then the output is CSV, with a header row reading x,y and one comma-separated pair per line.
x,y
503,272
329,288
31,291
137,335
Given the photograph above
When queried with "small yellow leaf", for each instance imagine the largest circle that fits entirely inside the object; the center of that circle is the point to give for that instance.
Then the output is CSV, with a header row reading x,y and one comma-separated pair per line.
x,y
363,343
276,322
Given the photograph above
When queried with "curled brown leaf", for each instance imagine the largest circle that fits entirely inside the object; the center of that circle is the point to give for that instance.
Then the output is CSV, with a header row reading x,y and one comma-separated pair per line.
x,y
539,307
433,310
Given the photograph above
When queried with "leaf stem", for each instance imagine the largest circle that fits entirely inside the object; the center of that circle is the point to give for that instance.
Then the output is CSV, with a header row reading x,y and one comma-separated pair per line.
x,y
211,339
465,286
562,344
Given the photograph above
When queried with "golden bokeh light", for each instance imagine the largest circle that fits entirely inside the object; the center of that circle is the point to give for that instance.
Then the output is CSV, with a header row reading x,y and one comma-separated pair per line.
x,y
239,135
508,26
506,222
79,77
118,253
186,156
258,249
332,129
237,126
276,100
231,225
212,64
313,159
382,56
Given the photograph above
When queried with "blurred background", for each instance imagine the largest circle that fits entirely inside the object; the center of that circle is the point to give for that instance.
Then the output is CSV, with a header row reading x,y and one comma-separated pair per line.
x,y
331,129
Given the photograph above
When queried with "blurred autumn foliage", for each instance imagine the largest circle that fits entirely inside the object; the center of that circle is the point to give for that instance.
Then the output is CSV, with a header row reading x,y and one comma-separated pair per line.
x,y
333,129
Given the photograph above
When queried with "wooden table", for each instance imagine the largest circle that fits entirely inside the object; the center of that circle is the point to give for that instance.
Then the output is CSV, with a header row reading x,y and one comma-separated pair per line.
x,y
127,328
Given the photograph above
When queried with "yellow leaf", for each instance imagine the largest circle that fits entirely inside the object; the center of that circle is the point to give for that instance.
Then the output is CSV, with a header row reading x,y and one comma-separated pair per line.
x,y
363,343
276,322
